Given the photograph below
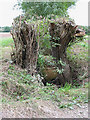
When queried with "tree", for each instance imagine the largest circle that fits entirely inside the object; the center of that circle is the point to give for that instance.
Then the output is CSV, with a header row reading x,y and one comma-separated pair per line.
x,y
45,9
6,29
87,29
26,46
61,33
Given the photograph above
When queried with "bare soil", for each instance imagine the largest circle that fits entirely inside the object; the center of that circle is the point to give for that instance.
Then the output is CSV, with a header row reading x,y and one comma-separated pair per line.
x,y
5,35
42,109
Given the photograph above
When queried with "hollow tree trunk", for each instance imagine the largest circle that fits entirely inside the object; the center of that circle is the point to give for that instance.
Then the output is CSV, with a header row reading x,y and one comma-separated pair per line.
x,y
26,46
61,35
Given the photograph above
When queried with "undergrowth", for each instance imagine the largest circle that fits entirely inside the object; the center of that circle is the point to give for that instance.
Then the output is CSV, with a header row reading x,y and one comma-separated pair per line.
x,y
21,86
78,58
78,52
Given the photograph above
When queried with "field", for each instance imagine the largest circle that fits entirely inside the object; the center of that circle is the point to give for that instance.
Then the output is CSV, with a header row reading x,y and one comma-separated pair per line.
x,y
24,97
5,35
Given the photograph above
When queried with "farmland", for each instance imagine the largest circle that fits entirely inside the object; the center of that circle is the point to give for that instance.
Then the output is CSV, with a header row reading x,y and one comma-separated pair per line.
x,y
5,35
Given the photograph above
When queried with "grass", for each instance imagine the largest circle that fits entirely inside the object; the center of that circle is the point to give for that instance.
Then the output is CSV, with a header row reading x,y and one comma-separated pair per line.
x,y
78,52
6,46
6,42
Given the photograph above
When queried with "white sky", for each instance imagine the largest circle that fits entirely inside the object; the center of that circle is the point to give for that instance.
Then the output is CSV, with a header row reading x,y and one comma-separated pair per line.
x,y
7,13
79,13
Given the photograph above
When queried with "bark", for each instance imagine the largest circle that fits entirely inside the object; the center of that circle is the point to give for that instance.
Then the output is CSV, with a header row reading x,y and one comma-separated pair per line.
x,y
61,35
26,45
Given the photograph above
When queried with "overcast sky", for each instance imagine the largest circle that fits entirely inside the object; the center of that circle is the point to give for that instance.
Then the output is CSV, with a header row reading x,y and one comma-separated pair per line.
x,y
79,13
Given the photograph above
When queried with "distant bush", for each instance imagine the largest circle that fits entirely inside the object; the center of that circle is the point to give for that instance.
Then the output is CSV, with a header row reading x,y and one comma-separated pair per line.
x,y
5,29
87,29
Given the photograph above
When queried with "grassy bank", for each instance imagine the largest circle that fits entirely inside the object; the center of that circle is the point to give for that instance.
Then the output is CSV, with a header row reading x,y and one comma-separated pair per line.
x,y
20,86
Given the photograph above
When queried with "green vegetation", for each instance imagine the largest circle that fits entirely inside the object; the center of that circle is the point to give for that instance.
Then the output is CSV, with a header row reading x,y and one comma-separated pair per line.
x,y
78,52
5,29
6,42
21,86
87,29
45,9
78,57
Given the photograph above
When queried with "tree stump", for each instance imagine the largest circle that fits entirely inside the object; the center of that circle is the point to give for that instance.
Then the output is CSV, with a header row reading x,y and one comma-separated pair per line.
x,y
26,45
62,33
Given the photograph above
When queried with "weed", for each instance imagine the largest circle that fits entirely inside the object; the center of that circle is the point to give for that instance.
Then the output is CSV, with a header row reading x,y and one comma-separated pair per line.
x,y
68,105
87,85
20,86
4,100
11,67
38,98
78,51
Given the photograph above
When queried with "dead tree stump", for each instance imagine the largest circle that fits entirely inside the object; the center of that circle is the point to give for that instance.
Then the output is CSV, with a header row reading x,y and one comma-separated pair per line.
x,y
26,45
62,33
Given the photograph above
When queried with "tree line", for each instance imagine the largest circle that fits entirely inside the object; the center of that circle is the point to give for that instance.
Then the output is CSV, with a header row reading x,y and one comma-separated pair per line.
x,y
5,29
